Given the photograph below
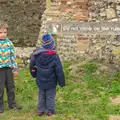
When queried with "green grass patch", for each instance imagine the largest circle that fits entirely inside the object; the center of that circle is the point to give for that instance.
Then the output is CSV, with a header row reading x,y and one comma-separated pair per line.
x,y
86,96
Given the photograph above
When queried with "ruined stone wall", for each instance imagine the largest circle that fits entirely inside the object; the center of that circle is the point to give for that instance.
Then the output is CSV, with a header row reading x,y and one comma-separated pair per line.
x,y
104,47
24,19
71,46
65,10
94,46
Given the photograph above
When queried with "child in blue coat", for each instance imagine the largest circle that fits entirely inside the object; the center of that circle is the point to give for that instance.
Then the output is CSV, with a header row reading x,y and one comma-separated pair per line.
x,y
46,67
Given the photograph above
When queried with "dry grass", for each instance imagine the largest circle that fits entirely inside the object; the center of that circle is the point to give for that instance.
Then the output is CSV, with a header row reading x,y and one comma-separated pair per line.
x,y
114,117
115,100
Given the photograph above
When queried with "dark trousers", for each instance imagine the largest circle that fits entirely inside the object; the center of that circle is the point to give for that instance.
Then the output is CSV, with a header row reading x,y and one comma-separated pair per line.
x,y
46,100
6,81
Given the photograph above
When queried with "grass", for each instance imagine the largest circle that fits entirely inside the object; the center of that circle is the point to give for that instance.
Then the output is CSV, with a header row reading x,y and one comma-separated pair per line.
x,y
85,97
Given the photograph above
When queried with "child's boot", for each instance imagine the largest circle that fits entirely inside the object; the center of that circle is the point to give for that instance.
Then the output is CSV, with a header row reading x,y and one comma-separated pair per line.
x,y
15,106
1,109
40,113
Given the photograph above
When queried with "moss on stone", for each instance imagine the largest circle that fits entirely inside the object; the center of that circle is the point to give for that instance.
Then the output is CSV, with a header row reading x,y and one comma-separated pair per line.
x,y
19,61
116,52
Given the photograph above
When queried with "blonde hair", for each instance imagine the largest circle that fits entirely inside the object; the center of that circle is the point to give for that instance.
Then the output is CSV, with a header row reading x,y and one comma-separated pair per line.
x,y
3,24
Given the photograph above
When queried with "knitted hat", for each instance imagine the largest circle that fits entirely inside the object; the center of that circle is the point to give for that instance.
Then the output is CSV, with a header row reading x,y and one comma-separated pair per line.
x,y
48,42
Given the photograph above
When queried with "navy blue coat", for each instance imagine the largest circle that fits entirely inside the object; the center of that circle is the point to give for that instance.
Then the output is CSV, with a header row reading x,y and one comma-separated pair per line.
x,y
47,69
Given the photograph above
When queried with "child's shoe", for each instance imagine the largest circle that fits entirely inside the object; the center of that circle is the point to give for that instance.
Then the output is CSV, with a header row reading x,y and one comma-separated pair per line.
x,y
50,114
1,112
16,107
40,113
1,109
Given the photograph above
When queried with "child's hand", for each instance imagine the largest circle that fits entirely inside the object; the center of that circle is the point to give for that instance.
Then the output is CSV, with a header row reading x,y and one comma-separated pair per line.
x,y
15,74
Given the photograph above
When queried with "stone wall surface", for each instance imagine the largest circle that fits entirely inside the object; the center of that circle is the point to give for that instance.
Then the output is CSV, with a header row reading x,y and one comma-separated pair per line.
x,y
105,47
30,15
99,47
24,19
23,56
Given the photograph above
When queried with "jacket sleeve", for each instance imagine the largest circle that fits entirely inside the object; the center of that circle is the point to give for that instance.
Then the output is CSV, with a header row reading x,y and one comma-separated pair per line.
x,y
59,72
13,58
32,66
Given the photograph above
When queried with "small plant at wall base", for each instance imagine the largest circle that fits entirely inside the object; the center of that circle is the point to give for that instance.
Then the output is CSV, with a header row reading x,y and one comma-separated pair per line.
x,y
90,67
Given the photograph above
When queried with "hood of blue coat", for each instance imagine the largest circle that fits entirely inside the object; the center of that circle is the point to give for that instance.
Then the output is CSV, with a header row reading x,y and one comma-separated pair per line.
x,y
39,50
45,59
42,58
